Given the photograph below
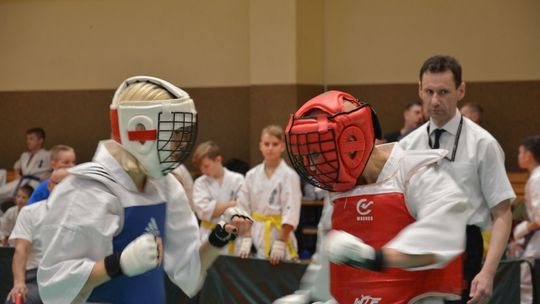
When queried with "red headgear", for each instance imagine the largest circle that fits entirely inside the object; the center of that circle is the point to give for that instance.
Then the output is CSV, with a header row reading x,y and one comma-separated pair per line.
x,y
329,148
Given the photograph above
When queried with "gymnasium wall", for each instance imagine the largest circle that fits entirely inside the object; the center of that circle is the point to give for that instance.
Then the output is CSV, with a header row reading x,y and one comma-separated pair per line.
x,y
248,63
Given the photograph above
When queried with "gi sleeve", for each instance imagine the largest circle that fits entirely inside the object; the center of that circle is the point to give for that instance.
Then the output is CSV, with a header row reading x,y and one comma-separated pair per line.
x,y
78,229
182,244
441,213
291,199
533,195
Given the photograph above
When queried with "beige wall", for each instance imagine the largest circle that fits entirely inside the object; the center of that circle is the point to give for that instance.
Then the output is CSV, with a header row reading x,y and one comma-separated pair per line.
x,y
89,44
249,63
371,42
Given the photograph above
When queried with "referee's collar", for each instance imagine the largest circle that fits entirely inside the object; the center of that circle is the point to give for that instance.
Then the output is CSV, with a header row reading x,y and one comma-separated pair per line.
x,y
451,126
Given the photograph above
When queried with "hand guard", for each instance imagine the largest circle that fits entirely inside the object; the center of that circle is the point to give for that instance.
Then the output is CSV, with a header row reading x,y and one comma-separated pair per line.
x,y
245,247
345,248
298,297
140,256
231,212
278,250
521,230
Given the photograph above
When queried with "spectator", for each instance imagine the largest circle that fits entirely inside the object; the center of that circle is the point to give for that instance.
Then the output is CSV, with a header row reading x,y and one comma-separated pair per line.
x,y
525,233
62,156
412,118
7,221
33,166
215,190
472,111
272,195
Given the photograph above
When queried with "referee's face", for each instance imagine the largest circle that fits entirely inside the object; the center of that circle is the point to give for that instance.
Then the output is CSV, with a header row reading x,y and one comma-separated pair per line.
x,y
440,95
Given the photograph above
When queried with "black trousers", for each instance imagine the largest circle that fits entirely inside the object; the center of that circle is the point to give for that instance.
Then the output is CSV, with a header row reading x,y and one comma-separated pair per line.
x,y
472,261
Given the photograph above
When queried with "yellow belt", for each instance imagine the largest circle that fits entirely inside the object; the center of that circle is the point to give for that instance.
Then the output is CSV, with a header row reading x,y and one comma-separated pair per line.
x,y
269,221
210,226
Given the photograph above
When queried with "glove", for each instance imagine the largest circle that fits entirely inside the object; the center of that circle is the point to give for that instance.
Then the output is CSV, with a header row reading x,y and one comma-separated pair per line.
x,y
219,236
277,253
245,247
298,297
344,248
231,212
521,230
140,255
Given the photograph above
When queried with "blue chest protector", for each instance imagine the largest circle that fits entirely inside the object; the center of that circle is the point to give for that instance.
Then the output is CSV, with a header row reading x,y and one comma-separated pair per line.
x,y
149,286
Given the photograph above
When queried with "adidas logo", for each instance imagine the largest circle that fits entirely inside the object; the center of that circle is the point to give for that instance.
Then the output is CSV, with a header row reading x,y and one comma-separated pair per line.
x,y
152,227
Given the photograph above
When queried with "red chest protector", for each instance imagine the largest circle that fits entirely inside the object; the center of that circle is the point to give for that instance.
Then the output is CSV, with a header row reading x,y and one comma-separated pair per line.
x,y
377,219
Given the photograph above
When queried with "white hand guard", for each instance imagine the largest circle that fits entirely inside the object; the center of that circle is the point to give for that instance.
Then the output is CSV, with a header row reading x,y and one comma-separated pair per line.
x,y
140,255
245,247
232,212
345,248
521,230
298,297
278,250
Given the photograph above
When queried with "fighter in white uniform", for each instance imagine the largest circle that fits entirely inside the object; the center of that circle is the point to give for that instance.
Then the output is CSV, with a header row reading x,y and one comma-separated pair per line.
x,y
526,232
392,210
274,202
118,223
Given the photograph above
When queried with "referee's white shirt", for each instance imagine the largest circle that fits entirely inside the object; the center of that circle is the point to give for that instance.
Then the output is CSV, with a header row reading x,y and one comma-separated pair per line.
x,y
478,166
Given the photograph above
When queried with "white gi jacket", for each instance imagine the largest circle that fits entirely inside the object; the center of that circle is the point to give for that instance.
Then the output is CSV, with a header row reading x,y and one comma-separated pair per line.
x,y
86,211
207,192
280,195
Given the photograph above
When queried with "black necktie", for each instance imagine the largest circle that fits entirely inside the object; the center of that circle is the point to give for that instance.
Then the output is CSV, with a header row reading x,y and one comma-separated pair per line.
x,y
438,133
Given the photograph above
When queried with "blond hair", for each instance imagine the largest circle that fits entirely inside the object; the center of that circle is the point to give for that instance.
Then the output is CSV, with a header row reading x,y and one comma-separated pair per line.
x,y
208,149
57,149
274,130
144,91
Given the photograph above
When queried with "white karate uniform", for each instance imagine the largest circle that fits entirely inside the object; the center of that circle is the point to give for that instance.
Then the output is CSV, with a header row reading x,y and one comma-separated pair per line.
x,y
37,166
279,195
87,212
207,192
532,251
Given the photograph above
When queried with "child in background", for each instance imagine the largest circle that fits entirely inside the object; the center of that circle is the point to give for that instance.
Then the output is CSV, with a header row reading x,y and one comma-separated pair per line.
x,y
214,191
526,239
62,156
7,222
272,195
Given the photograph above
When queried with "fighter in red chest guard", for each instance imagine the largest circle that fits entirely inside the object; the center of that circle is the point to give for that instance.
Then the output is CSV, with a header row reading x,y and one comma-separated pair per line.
x,y
398,221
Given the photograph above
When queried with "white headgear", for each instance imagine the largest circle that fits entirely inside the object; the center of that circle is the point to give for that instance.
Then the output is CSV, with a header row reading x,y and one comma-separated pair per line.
x,y
159,133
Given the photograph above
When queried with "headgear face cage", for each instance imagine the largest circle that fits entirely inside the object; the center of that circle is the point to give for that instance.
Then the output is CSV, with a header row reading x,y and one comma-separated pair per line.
x,y
159,133
329,147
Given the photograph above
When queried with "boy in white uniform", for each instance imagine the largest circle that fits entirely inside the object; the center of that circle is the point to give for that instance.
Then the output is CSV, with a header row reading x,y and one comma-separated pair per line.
x,y
117,224
526,232
214,191
392,210
8,220
272,195
32,167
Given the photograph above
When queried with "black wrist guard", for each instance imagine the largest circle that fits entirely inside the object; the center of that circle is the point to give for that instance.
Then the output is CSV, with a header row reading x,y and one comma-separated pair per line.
x,y
219,237
377,264
112,265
